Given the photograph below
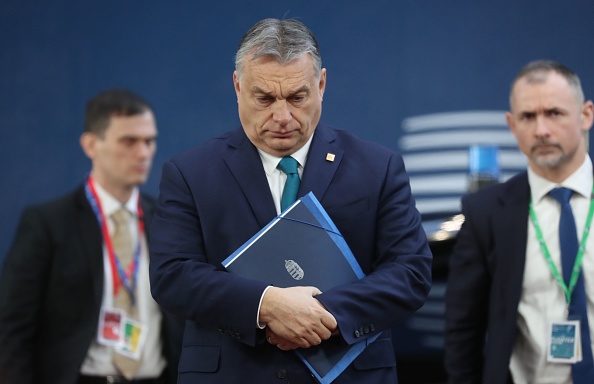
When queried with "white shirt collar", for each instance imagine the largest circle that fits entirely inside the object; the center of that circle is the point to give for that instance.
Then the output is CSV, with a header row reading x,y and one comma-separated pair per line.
x,y
580,181
110,204
270,162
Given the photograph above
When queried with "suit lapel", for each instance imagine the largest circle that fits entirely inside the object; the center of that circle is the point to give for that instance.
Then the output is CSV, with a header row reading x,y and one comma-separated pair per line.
x,y
510,231
323,160
148,210
245,164
90,235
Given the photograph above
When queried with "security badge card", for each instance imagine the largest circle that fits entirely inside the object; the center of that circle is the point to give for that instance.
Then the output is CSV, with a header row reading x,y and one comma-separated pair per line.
x,y
124,334
564,342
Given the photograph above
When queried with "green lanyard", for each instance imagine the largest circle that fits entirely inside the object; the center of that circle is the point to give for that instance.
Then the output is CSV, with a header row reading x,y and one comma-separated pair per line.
x,y
578,259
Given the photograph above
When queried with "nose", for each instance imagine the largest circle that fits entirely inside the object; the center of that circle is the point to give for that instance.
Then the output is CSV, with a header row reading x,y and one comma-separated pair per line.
x,y
146,148
281,113
542,127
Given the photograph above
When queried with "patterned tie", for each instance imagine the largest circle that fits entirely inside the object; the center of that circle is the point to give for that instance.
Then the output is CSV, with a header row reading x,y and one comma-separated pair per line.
x,y
124,250
582,372
289,166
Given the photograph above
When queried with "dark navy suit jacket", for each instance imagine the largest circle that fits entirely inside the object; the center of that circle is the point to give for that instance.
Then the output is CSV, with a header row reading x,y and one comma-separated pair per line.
x,y
51,291
215,197
485,283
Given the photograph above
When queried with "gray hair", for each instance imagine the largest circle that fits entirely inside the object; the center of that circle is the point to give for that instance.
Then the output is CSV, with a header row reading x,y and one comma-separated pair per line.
x,y
284,40
536,72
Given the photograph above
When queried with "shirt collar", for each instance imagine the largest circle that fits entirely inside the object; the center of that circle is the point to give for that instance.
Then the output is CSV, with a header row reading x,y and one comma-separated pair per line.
x,y
580,181
270,162
110,204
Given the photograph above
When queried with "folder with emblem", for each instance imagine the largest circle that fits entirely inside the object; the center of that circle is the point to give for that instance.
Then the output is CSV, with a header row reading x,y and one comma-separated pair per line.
x,y
303,247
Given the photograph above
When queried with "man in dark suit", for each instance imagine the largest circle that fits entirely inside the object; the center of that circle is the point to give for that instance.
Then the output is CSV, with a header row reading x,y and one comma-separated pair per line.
x,y
215,197
506,296
68,298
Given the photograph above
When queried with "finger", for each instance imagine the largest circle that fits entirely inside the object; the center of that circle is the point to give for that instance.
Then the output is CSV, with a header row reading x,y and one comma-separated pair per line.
x,y
315,291
329,321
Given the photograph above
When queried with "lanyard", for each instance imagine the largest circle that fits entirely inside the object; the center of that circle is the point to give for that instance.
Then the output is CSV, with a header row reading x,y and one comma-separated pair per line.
x,y
578,259
127,277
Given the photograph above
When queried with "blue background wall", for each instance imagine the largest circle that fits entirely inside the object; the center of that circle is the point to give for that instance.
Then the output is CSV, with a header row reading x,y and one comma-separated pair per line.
x,y
386,61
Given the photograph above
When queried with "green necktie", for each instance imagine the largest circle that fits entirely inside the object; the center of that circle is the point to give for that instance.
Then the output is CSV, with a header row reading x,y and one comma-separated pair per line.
x,y
289,166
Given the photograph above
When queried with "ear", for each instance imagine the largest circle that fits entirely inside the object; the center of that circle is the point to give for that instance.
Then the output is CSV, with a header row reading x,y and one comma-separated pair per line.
x,y
587,116
236,84
322,83
87,143
510,122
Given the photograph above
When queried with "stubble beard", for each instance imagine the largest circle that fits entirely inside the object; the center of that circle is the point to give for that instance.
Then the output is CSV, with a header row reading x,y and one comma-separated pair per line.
x,y
549,159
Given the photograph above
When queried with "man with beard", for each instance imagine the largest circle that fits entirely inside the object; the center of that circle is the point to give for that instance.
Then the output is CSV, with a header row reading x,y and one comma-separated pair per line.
x,y
520,288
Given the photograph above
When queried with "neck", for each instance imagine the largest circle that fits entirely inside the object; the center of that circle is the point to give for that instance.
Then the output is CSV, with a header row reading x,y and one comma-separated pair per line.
x,y
561,172
120,192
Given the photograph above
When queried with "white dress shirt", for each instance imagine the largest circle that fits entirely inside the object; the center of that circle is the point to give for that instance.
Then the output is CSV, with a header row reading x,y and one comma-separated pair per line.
x,y
276,181
99,358
276,177
543,300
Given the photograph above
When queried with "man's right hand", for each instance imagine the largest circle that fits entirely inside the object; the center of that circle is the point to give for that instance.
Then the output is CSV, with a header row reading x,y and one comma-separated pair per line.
x,y
293,314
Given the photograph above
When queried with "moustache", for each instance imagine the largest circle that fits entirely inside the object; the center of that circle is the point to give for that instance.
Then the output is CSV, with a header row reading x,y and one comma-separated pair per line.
x,y
543,143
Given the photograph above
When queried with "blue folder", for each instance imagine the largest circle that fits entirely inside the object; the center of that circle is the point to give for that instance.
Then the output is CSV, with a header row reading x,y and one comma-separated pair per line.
x,y
303,247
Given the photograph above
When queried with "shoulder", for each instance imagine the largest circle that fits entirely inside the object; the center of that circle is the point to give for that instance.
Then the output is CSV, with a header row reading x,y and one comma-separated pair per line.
x,y
60,204
513,190
350,141
213,147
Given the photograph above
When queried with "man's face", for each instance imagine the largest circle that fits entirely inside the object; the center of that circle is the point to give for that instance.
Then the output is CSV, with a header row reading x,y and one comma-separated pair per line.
x,y
549,124
122,158
279,104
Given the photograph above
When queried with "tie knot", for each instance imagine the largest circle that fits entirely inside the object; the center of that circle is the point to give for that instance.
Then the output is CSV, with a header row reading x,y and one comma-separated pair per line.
x,y
562,194
121,217
288,165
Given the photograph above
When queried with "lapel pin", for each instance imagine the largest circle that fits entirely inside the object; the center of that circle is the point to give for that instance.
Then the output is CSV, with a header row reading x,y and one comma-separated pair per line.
x,y
330,157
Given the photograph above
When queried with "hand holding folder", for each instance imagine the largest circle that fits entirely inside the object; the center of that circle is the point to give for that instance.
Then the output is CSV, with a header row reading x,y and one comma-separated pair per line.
x,y
303,247
294,318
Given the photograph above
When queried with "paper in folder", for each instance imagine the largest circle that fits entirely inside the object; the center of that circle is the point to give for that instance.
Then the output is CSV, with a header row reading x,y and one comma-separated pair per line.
x,y
303,247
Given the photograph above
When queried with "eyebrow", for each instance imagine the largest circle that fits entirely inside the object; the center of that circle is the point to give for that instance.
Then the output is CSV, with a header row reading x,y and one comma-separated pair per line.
x,y
303,88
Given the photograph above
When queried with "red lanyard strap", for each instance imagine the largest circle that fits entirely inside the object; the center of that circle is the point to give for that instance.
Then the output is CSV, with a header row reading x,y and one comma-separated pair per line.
x,y
128,277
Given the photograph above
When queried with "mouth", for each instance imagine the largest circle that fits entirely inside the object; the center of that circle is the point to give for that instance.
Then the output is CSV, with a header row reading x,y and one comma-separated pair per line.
x,y
545,148
281,135
141,169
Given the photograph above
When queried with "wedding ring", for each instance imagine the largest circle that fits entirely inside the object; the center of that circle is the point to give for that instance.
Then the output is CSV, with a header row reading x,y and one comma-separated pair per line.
x,y
269,340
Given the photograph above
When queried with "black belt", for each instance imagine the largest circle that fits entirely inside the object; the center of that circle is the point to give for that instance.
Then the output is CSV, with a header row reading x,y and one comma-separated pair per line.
x,y
116,379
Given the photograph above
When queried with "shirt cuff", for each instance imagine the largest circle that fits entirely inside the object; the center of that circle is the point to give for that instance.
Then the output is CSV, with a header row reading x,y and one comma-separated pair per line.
x,y
259,306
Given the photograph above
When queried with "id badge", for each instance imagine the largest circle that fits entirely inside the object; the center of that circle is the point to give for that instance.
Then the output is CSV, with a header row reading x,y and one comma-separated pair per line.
x,y
111,326
564,344
134,336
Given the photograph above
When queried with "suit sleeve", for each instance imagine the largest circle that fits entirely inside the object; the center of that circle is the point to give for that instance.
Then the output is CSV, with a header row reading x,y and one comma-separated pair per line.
x,y
398,259
22,283
467,298
184,280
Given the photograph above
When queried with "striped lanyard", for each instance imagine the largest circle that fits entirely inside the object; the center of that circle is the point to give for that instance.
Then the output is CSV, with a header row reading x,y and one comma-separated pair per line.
x,y
120,276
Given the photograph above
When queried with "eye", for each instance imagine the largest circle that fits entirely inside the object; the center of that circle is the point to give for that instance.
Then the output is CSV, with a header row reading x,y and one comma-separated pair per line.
x,y
554,112
297,99
263,100
128,141
527,116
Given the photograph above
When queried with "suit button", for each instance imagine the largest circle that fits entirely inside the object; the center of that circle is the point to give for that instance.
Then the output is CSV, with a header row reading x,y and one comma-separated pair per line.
x,y
281,374
366,329
372,327
357,334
